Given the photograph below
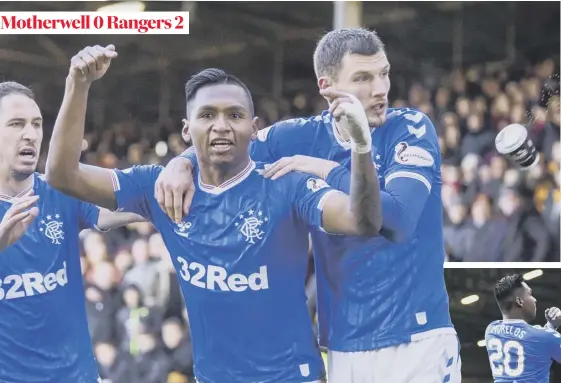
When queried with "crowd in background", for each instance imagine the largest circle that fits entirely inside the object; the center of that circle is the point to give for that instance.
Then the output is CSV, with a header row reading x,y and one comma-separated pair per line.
x,y
492,211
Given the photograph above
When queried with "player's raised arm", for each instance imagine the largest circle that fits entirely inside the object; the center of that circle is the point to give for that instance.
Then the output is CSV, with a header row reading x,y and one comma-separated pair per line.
x,y
334,211
63,169
174,188
553,317
409,177
362,213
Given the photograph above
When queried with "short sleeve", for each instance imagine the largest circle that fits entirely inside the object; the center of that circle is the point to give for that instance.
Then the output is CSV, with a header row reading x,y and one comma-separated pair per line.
x,y
190,155
308,194
89,215
134,187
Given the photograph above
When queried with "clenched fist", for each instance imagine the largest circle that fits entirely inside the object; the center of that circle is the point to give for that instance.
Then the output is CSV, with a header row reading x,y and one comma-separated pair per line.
x,y
553,316
91,63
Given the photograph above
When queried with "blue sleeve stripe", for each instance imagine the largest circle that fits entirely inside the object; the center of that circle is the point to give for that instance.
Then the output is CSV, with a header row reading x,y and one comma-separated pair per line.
x,y
406,174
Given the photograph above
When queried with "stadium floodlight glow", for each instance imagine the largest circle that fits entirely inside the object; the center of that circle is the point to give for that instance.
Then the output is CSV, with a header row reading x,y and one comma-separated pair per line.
x,y
481,343
533,274
124,6
470,299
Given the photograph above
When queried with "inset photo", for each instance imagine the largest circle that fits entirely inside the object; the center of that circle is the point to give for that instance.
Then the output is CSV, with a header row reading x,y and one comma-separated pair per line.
x,y
507,321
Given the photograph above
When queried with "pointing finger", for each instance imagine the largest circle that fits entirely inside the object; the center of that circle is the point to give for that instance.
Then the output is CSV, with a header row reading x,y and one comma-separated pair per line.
x,y
331,93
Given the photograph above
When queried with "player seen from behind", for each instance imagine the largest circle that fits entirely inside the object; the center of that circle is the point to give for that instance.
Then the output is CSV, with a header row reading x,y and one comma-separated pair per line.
x,y
518,351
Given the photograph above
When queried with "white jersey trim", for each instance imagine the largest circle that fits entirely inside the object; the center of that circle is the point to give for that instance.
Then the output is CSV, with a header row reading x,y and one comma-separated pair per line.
x,y
236,180
23,193
115,180
340,140
513,321
412,175
320,206
323,198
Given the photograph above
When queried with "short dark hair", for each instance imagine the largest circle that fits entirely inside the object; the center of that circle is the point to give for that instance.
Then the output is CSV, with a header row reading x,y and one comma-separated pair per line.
x,y
333,46
11,87
213,76
505,288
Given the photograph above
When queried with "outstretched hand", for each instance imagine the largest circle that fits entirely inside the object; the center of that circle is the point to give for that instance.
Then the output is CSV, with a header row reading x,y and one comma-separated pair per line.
x,y
17,219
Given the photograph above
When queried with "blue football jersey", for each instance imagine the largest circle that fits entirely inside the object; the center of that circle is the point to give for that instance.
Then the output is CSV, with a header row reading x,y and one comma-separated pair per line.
x,y
519,352
44,335
241,260
388,290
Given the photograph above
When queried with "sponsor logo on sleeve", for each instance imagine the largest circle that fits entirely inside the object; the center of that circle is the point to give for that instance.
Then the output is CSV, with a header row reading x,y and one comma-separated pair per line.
x,y
412,155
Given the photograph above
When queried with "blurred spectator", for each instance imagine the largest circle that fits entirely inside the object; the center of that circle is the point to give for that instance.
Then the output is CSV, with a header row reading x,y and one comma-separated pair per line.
x,y
547,134
526,238
101,302
177,343
144,272
95,248
123,261
114,366
470,185
457,235
485,233
477,140
151,365
134,318
160,256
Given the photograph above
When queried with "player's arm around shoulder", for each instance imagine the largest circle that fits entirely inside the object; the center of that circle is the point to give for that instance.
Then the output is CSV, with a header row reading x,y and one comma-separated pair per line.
x,y
331,210
284,139
174,188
